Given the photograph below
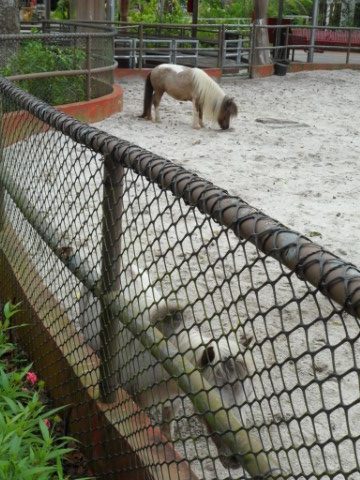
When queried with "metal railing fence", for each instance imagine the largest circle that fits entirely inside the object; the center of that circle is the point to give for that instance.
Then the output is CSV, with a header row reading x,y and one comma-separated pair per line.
x,y
67,63
215,44
312,39
236,336
228,46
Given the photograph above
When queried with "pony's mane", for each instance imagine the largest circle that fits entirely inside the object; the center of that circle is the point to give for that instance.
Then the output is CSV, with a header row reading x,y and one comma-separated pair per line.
x,y
210,96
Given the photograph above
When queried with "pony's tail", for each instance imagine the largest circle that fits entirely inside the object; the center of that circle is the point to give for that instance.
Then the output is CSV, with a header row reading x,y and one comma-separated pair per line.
x,y
148,94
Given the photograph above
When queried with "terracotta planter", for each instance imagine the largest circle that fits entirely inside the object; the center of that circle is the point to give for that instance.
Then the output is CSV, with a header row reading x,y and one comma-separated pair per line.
x,y
262,70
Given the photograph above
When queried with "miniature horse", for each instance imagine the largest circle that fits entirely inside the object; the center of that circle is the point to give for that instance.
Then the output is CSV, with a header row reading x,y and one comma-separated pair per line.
x,y
140,374
193,84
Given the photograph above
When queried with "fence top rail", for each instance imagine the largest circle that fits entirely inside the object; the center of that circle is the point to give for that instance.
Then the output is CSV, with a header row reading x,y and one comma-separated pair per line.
x,y
226,18
103,23
55,35
309,27
154,25
65,73
335,278
96,25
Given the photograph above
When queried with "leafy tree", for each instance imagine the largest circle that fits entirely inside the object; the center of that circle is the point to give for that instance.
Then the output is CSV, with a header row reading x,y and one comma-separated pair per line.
x,y
161,11
261,34
62,11
9,16
124,10
226,8
347,13
291,7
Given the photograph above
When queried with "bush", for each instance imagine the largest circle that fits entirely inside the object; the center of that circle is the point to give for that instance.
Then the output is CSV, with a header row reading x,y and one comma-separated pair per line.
x,y
62,11
34,56
149,12
220,9
29,450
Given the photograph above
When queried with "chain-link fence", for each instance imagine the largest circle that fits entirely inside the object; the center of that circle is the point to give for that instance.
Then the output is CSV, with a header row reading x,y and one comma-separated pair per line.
x,y
70,65
191,335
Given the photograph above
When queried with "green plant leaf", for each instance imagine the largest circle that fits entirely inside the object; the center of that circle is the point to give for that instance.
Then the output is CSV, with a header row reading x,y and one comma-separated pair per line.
x,y
10,310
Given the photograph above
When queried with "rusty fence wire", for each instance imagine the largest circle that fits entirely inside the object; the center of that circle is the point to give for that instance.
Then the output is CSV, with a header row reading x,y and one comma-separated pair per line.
x,y
192,336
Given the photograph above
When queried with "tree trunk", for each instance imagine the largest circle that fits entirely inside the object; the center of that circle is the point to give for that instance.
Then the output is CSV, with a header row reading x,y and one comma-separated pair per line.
x,y
9,16
124,10
261,37
9,23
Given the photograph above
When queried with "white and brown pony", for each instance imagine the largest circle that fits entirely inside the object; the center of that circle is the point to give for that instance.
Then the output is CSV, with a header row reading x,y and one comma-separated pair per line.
x,y
221,361
192,84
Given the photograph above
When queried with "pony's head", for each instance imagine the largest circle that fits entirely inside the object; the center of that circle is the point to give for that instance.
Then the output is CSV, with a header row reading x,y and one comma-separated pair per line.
x,y
228,109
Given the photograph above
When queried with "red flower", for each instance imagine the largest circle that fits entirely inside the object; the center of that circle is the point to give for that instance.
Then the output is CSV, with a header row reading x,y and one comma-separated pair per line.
x,y
47,422
31,377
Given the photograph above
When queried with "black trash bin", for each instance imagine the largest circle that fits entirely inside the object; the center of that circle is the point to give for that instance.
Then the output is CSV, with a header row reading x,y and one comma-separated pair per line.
x,y
280,68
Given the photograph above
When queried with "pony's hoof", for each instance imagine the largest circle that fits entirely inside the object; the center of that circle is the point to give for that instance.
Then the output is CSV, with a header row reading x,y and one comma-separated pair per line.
x,y
196,127
146,117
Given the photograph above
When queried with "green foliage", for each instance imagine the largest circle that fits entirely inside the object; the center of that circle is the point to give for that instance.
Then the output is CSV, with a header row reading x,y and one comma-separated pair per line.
x,y
35,56
149,11
220,9
62,11
291,7
29,450
153,11
5,346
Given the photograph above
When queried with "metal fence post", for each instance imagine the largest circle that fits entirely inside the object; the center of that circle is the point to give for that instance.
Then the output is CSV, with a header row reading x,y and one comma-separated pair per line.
x,y
287,52
278,33
221,43
141,39
110,275
195,18
349,47
315,13
173,52
88,67
252,50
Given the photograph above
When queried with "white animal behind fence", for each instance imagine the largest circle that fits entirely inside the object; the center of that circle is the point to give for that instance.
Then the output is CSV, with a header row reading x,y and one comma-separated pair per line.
x,y
303,360
220,361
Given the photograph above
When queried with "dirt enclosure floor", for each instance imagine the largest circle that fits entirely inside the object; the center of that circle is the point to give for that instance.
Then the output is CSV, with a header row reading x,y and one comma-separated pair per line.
x,y
293,151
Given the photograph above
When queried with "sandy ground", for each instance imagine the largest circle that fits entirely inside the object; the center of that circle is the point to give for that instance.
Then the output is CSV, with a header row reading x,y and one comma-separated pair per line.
x,y
304,175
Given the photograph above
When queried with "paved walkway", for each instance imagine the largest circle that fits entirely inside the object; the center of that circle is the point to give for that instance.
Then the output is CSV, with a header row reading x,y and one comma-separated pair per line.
x,y
328,56
300,56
